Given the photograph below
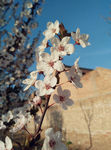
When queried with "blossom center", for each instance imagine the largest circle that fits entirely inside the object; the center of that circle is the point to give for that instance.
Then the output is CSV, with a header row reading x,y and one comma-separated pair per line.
x,y
61,48
73,78
47,86
52,143
77,42
54,30
76,70
61,98
51,64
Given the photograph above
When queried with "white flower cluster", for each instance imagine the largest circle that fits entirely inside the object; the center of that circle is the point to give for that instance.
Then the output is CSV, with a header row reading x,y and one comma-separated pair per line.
x,y
16,48
58,40
7,145
48,63
53,141
80,39
21,116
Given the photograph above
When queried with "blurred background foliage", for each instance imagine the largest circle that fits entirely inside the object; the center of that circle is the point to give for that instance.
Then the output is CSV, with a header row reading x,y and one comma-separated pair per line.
x,y
19,36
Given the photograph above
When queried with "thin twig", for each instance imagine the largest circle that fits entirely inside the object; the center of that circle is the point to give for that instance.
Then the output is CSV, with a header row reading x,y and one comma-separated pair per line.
x,y
41,121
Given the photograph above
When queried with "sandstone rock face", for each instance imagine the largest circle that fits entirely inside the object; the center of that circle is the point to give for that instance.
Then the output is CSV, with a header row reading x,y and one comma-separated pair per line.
x,y
87,123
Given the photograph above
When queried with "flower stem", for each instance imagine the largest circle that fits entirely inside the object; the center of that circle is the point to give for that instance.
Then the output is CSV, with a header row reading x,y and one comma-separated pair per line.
x,y
32,142
41,109
51,105
61,83
27,131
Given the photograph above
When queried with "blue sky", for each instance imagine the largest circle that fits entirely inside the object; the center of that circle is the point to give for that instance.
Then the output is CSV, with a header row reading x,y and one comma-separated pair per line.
x,y
88,15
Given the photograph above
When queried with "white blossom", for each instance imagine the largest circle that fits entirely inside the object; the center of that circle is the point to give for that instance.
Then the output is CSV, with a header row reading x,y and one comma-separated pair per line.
x,y
21,120
62,47
19,123
2,126
46,87
39,11
43,45
74,75
28,5
7,145
80,39
53,141
49,63
36,100
52,29
7,117
62,97
31,81
36,1
76,67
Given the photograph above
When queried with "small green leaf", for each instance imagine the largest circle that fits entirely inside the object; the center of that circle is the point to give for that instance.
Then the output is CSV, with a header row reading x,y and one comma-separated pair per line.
x,y
69,142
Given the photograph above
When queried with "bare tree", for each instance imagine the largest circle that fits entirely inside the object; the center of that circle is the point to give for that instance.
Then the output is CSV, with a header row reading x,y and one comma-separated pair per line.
x,y
88,116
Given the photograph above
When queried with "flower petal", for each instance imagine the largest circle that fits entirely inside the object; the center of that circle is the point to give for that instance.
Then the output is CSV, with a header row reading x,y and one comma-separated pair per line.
x,y
64,106
59,91
53,81
41,92
66,93
65,40
49,132
45,145
8,143
55,41
43,66
39,84
49,91
48,70
69,48
77,84
73,35
85,36
77,33
27,87
48,34
56,98
59,66
49,24
50,79
82,43
56,24
33,74
45,56
2,145
58,136
27,81
69,102
60,146
54,56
